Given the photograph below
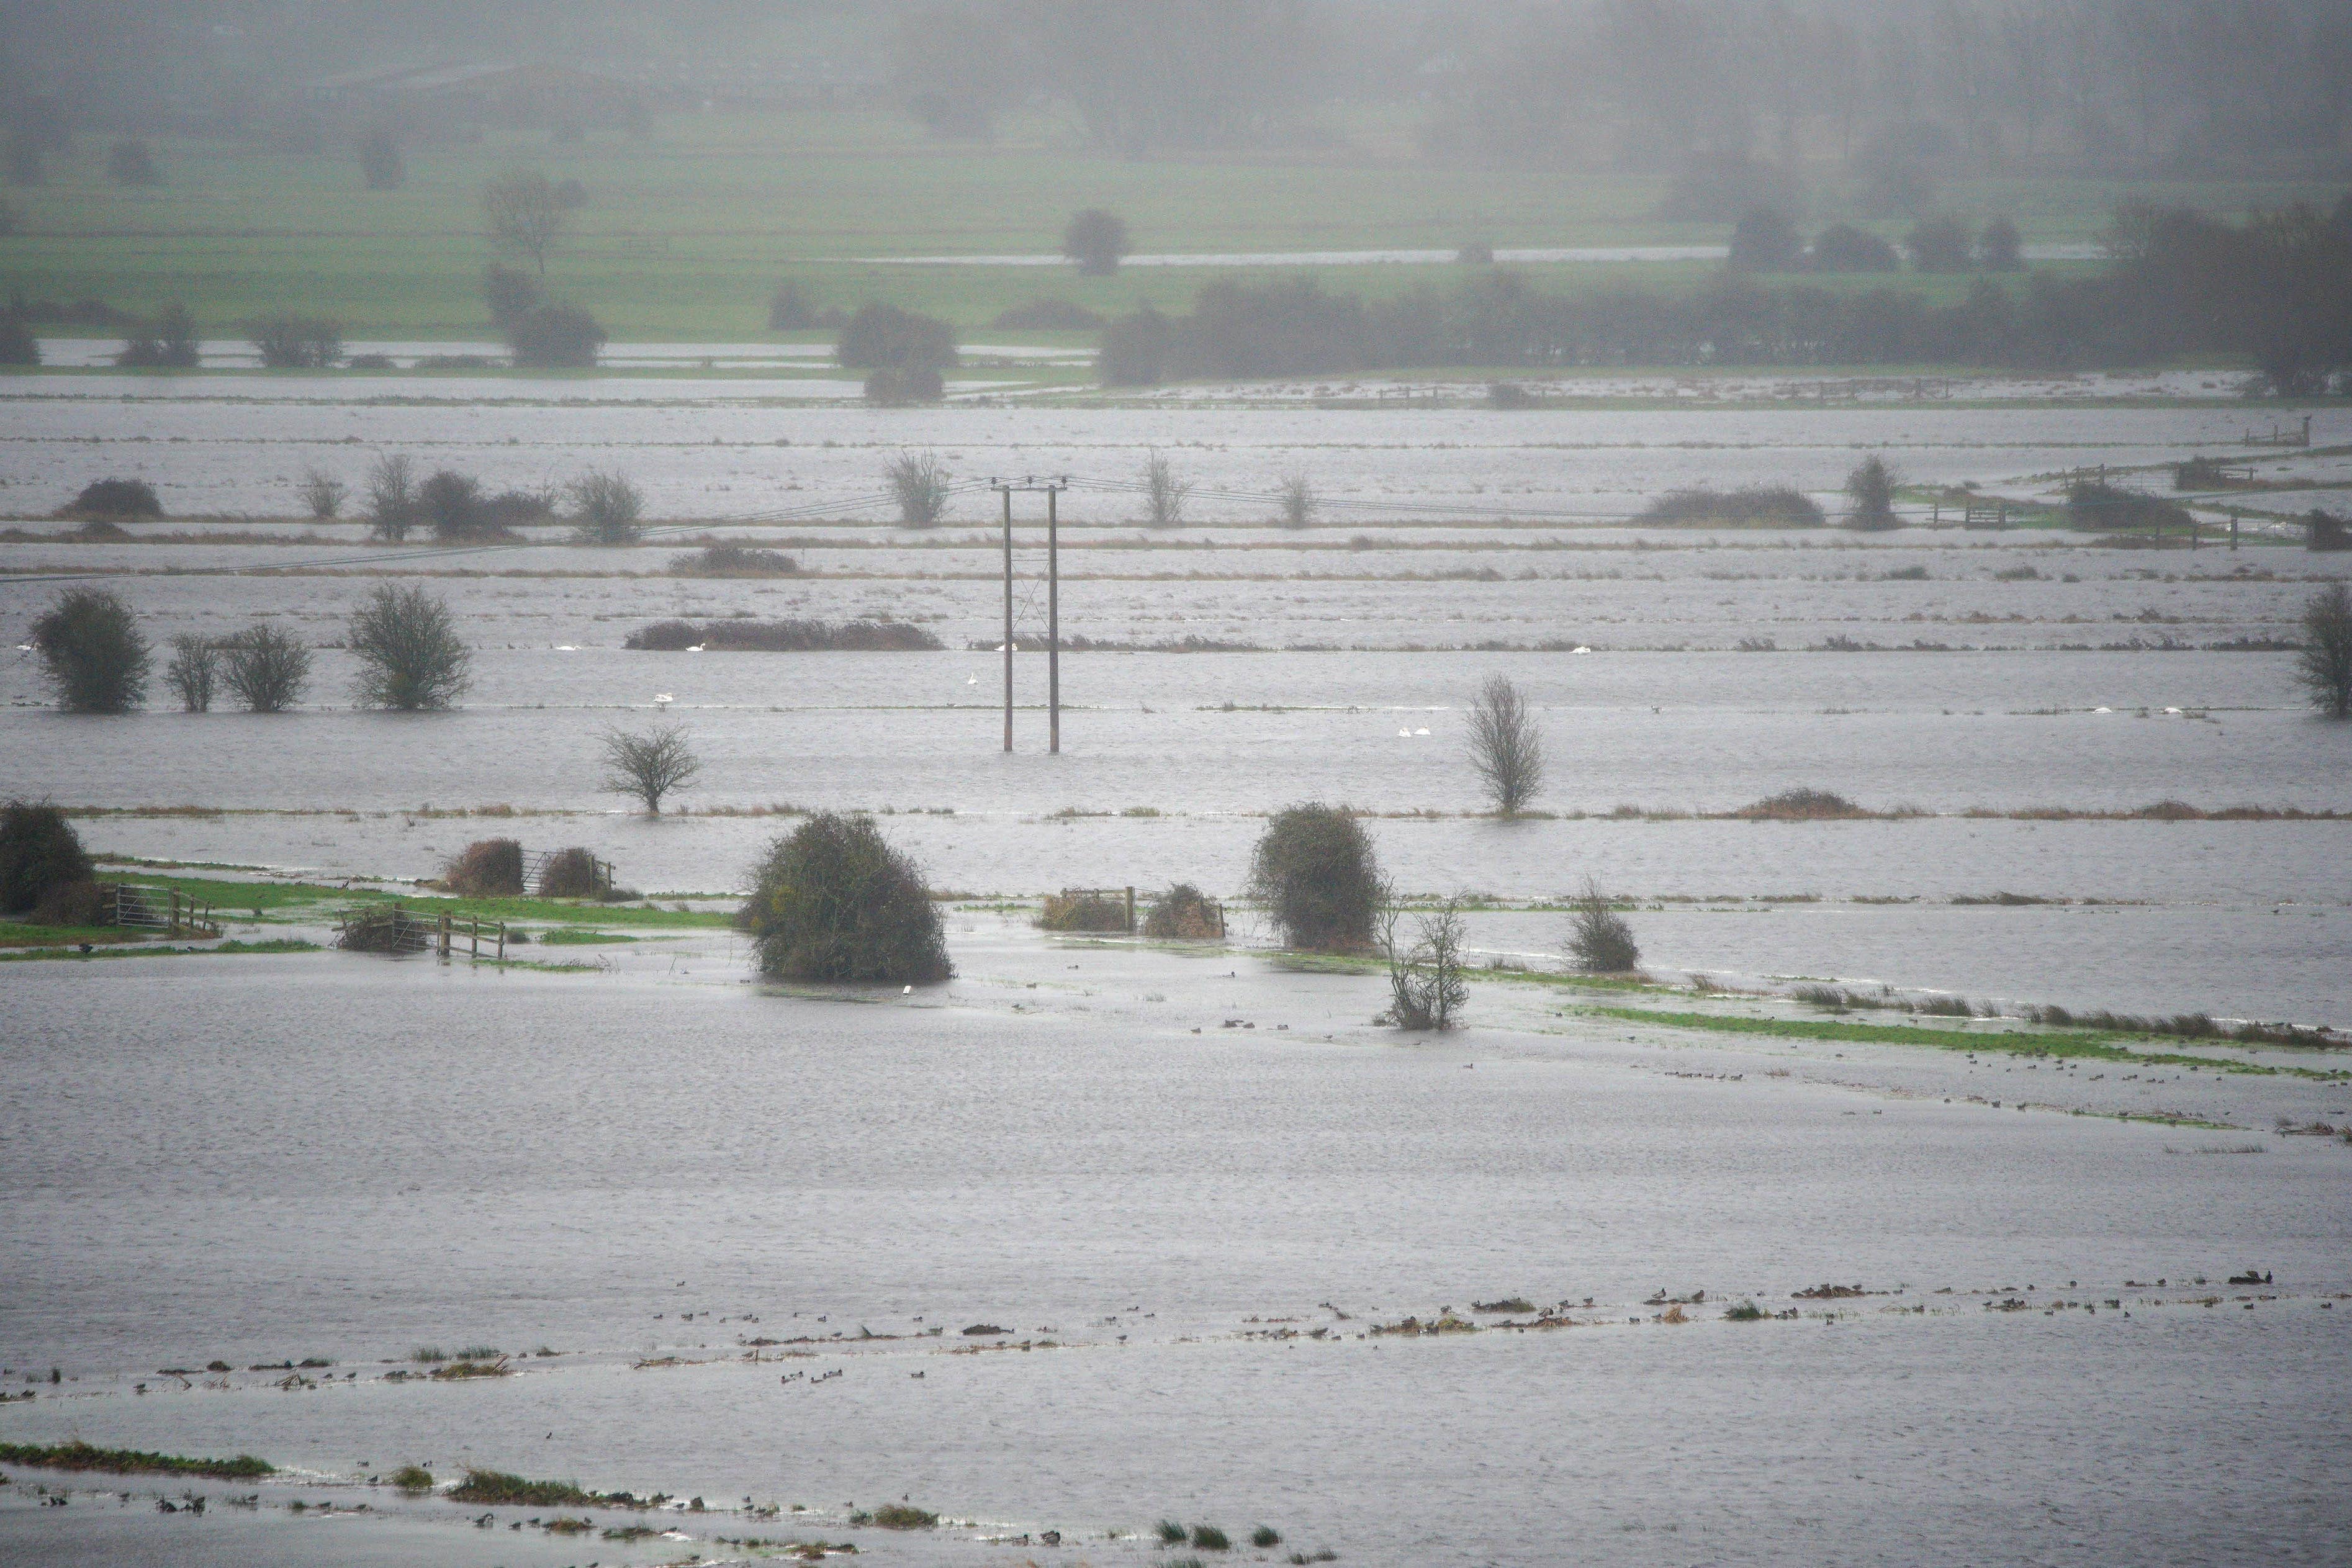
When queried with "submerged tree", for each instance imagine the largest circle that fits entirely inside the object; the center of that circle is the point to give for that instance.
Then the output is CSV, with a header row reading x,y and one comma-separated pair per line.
x,y
649,764
605,507
1315,872
411,658
2324,665
266,668
96,657
1870,488
919,484
1427,983
391,497
1163,492
194,669
834,901
1601,941
1505,745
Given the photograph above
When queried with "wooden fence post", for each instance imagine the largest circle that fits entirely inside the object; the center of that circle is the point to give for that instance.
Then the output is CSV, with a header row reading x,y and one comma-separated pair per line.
x,y
444,936
1130,911
502,942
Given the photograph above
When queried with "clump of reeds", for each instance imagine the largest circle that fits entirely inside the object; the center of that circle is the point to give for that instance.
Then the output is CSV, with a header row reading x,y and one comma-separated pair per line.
x,y
1745,1312
1170,1532
1801,806
80,1456
899,1516
502,1487
1209,1538
412,1479
487,867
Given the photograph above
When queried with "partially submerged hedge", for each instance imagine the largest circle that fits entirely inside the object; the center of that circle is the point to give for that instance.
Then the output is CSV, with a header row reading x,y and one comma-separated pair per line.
x,y
80,1456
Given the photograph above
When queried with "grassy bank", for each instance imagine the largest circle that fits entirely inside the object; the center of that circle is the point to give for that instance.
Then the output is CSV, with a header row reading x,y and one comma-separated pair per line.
x,y
685,234
80,1456
2071,1044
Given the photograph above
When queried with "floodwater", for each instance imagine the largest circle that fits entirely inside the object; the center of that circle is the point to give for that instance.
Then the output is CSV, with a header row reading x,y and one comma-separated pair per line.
x,y
1188,1183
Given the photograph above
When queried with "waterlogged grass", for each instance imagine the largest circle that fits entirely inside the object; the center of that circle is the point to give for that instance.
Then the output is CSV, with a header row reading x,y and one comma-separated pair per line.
x,y
20,934
573,936
142,950
2083,1045
503,1487
314,900
80,1456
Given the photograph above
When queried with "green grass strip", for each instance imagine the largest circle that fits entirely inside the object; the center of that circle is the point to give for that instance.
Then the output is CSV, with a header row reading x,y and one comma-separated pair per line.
x,y
233,900
142,950
80,1456
2088,1047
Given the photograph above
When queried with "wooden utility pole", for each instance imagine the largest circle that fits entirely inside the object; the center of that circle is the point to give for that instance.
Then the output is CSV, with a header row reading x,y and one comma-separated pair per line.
x,y
1052,488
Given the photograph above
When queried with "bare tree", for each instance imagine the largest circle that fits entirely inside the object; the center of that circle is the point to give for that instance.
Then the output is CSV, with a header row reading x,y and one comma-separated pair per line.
x,y
1097,241
391,497
191,674
1505,745
649,765
323,493
919,482
1426,983
525,214
1163,492
1298,498
1601,941
605,507
266,668
2324,665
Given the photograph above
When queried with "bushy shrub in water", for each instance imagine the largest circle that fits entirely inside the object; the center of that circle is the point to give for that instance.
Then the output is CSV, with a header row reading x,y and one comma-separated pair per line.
x,y
1870,488
605,508
1315,871
1083,909
894,386
39,851
96,657
297,342
734,560
1184,913
570,874
410,655
486,869
71,904
114,498
833,900
1757,506
1600,941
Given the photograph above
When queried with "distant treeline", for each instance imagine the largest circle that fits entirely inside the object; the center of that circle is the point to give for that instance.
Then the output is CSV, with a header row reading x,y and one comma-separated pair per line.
x,y
2277,289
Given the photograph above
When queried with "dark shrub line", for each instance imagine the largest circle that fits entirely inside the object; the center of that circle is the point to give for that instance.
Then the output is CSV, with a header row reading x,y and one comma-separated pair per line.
x,y
81,1455
784,636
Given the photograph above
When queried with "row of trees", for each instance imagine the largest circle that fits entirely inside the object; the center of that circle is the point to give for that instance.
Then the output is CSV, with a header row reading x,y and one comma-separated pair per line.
x,y
1767,240
2276,289
406,645
604,508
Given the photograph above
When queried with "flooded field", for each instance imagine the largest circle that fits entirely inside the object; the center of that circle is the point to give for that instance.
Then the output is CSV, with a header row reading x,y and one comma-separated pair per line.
x,y
1105,1232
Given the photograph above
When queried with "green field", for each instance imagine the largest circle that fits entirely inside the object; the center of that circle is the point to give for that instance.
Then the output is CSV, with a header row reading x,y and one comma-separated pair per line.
x,y
686,233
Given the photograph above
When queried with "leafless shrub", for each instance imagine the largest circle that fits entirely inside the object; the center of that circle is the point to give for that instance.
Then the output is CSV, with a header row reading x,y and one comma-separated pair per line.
x,y
391,497
1298,504
919,484
191,675
1164,494
486,869
649,764
266,668
605,507
1600,941
1505,745
1427,987
324,494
